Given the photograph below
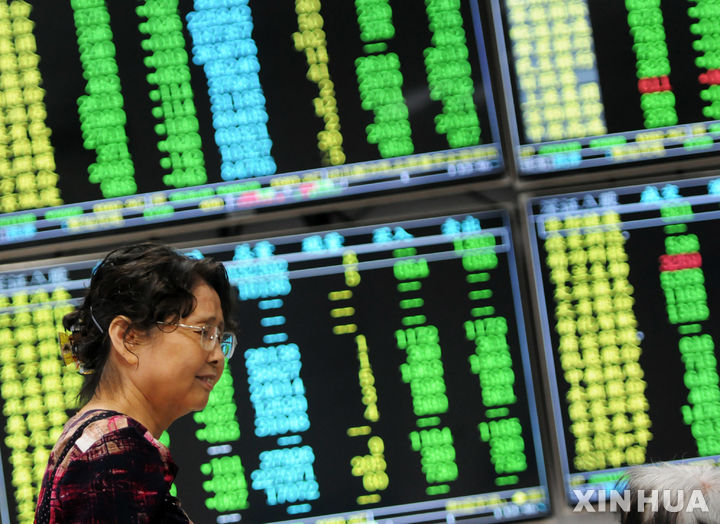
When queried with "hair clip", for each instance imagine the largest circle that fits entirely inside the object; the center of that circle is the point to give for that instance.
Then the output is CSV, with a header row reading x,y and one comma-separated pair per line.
x,y
68,351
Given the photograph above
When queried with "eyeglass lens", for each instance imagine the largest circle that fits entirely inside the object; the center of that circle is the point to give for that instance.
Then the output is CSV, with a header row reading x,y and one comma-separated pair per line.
x,y
227,344
226,340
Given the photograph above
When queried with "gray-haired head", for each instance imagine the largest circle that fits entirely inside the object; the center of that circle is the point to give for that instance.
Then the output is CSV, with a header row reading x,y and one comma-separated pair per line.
x,y
673,493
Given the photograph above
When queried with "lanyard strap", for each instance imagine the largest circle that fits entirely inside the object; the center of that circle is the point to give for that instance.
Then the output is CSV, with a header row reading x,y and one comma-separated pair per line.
x,y
43,514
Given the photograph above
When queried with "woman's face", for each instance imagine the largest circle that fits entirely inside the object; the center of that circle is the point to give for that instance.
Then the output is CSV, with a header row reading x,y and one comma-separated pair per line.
x,y
175,374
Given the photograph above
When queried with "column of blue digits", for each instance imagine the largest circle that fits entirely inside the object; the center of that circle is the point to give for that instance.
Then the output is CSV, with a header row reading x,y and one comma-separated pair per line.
x,y
222,43
277,392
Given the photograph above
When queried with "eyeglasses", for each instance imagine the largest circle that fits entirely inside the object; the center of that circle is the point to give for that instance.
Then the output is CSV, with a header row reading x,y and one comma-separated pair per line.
x,y
209,336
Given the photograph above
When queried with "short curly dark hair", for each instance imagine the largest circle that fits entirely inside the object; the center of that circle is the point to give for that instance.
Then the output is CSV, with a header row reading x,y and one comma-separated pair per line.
x,y
148,283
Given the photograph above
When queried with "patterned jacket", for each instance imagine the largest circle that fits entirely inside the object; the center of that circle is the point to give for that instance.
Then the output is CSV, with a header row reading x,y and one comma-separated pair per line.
x,y
115,472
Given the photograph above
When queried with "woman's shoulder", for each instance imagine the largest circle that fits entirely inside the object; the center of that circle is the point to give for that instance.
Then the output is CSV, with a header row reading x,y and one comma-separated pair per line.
x,y
115,457
106,432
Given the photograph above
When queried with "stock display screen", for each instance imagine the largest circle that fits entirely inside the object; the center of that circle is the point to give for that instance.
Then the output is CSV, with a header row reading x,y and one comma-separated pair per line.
x,y
627,294
342,403
599,84
124,114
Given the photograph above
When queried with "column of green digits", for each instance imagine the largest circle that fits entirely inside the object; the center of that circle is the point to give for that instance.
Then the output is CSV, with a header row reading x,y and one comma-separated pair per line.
x,y
436,448
380,81
683,280
102,117
599,346
36,389
685,295
653,67
683,283
375,20
701,379
707,45
423,371
507,447
311,40
27,165
477,261
449,74
492,361
174,95
227,485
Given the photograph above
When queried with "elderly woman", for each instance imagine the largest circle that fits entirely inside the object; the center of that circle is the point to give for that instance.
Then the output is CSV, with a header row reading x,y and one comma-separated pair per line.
x,y
151,339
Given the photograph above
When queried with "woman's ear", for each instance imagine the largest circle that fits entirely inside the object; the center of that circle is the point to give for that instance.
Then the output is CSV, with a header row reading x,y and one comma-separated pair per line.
x,y
122,339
